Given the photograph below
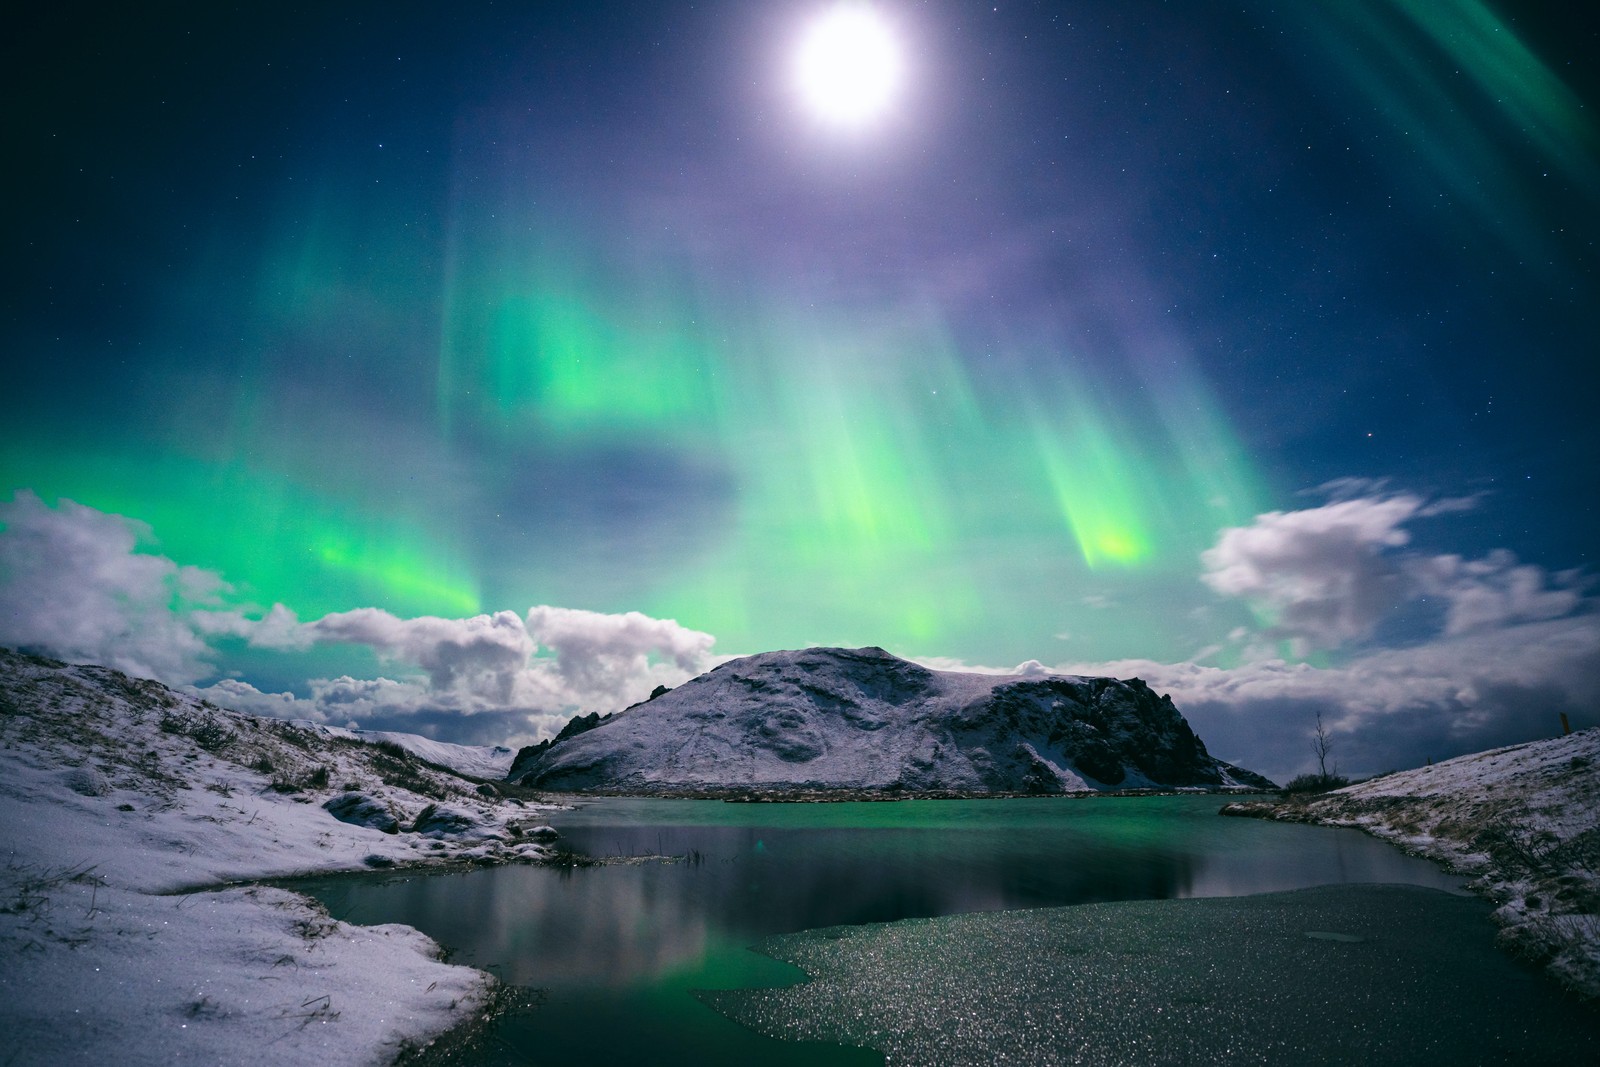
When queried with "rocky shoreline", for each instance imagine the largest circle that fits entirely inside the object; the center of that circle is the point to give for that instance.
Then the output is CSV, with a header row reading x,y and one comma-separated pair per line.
x,y
741,795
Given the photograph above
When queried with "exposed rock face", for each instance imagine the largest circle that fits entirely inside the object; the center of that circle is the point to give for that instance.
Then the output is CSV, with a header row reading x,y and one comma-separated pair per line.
x,y
529,754
87,781
829,718
359,809
442,820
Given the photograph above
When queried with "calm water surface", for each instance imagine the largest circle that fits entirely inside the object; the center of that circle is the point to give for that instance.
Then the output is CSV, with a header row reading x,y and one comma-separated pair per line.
x,y
616,950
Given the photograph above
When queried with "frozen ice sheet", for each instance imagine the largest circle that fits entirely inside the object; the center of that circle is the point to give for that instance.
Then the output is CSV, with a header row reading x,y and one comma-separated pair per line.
x,y
1341,974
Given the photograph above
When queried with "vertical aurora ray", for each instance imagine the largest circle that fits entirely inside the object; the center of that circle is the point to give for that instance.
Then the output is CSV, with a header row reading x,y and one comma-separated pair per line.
x,y
846,490
1465,95
570,305
266,435
1204,452
847,470
1008,486
1095,477
550,356
1506,71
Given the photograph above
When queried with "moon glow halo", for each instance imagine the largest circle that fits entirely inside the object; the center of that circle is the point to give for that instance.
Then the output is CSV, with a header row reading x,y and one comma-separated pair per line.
x,y
849,67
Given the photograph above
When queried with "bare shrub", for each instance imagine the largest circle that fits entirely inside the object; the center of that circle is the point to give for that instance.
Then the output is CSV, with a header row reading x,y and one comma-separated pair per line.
x,y
1315,783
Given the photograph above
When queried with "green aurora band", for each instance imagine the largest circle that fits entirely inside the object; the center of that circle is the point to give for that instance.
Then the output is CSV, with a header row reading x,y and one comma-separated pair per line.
x,y
881,492
873,489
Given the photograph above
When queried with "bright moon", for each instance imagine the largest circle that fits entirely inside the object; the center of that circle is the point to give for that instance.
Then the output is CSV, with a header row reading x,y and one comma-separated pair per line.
x,y
849,66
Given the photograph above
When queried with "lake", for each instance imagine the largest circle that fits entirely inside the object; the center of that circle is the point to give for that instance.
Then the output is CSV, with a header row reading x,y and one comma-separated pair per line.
x,y
618,950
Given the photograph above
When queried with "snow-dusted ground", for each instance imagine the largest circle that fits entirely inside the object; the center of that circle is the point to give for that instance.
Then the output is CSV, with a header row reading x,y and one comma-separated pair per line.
x,y
125,805
1524,819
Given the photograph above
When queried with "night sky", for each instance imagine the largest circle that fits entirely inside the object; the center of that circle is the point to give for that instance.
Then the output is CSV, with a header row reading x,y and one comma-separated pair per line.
x,y
453,368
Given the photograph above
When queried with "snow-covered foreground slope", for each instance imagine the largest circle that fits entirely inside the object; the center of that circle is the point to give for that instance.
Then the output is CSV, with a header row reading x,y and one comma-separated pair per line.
x,y
123,804
1525,819
862,719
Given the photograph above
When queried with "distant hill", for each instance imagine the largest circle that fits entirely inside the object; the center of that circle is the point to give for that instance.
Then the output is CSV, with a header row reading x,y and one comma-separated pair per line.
x,y
475,761
861,719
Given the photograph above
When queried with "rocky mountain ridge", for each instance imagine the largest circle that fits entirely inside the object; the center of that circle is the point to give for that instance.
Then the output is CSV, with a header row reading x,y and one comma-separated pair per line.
x,y
825,719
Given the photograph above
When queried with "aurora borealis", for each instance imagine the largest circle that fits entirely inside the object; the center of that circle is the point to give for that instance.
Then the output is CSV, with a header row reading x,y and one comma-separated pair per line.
x,y
449,312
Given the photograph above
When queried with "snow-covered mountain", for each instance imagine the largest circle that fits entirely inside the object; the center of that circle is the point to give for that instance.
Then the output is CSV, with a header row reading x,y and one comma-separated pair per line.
x,y
833,718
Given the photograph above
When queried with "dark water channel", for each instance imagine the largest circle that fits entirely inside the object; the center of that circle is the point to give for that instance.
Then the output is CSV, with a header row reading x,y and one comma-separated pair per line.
x,y
617,950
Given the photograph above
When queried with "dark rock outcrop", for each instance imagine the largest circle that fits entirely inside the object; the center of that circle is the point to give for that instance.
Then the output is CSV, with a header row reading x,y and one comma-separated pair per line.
x,y
360,809
528,755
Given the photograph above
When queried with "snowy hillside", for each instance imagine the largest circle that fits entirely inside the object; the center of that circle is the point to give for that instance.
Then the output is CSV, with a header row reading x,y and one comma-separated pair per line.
x,y
125,806
830,718
475,761
1525,819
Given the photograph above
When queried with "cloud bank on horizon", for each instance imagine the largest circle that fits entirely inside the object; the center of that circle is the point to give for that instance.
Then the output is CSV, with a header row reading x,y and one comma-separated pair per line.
x,y
1491,652
74,583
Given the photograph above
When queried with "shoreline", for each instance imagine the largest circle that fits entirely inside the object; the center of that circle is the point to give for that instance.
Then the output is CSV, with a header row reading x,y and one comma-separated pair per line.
x,y
845,795
1522,821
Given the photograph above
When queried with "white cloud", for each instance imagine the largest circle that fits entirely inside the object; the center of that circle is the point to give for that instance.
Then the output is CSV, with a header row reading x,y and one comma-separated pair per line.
x,y
592,648
480,666
1512,646
1328,576
482,654
1494,591
597,662
1515,646
74,582
952,663
406,705
279,628
242,696
1320,573
1390,708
